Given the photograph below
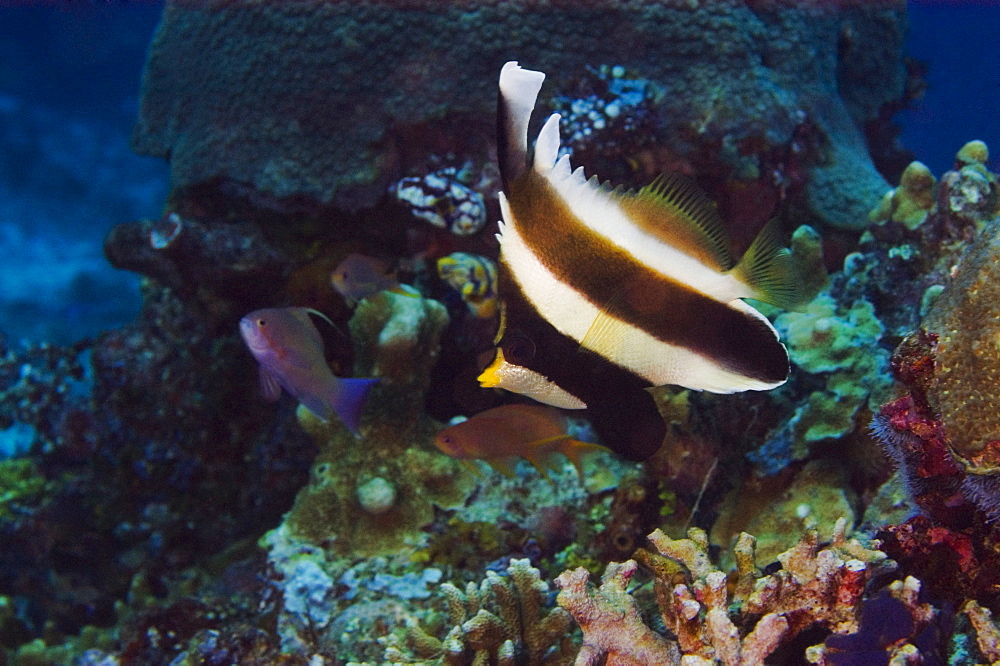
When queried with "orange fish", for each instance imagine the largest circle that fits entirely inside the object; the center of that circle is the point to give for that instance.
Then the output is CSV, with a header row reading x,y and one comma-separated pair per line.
x,y
500,435
289,349
359,276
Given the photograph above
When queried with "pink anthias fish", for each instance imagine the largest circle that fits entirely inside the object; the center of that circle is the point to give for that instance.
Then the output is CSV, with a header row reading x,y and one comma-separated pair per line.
x,y
289,349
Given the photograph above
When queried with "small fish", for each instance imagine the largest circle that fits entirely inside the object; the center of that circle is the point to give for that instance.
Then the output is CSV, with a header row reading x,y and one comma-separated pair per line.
x,y
289,349
475,278
605,293
500,435
359,276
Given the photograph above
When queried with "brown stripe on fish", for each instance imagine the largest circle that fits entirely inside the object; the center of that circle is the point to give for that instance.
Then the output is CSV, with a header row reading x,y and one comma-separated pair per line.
x,y
622,412
591,268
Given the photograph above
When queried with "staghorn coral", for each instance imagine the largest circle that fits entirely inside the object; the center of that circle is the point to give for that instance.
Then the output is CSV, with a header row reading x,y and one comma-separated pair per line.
x,y
889,623
777,511
501,621
610,619
818,585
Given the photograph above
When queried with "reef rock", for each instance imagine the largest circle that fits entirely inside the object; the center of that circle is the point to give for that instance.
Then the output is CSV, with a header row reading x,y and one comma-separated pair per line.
x,y
966,386
333,101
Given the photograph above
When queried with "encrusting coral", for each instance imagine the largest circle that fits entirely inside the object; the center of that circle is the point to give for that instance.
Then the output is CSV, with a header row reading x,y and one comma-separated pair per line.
x,y
841,342
367,496
911,202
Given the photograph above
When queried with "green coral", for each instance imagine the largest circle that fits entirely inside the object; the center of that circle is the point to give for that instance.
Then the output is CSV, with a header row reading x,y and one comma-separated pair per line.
x,y
397,339
20,483
840,342
911,202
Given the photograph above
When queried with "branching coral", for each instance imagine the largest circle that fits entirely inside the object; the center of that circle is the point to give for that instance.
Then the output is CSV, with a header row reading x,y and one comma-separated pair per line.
x,y
987,632
501,621
818,585
609,617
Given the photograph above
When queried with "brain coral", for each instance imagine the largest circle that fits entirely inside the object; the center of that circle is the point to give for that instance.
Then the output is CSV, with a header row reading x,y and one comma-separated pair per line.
x,y
335,99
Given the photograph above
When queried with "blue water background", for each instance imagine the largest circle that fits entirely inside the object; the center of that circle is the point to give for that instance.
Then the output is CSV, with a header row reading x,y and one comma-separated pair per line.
x,y
69,85
958,40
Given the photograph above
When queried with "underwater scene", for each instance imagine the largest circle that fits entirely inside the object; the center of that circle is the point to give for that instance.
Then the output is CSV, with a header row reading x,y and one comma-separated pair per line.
x,y
494,333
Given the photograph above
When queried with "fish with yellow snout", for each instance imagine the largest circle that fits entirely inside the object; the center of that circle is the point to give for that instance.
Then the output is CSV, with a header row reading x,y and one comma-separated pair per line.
x,y
289,349
605,292
500,435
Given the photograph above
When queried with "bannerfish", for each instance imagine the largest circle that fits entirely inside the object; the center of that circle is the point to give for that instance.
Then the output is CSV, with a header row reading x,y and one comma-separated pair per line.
x,y
606,292
502,434
359,276
289,349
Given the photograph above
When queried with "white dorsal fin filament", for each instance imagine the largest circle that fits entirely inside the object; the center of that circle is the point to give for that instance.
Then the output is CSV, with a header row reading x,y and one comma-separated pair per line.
x,y
547,145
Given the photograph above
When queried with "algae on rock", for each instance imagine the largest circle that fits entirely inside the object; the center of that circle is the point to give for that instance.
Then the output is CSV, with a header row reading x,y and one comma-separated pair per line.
x,y
396,339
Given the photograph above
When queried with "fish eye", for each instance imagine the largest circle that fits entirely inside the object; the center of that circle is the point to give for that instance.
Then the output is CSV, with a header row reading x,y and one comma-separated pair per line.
x,y
262,322
519,350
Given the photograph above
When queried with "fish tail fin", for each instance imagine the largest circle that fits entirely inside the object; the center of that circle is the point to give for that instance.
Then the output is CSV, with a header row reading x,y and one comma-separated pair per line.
x,y
518,92
767,269
349,400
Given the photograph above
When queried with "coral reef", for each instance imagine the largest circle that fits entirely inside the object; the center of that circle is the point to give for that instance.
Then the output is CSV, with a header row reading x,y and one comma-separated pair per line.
x,y
910,203
613,629
818,585
967,363
782,103
396,339
154,510
444,201
503,620
841,343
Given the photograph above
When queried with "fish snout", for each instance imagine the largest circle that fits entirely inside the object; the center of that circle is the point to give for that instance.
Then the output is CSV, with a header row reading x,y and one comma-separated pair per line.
x,y
448,445
252,335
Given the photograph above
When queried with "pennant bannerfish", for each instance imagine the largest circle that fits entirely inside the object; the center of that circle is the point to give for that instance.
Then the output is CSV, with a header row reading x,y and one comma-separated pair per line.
x,y
289,350
500,435
606,292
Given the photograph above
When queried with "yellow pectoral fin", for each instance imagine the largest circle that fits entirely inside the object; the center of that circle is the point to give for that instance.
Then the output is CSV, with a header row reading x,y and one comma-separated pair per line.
x,y
768,270
574,450
503,465
472,467
605,334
